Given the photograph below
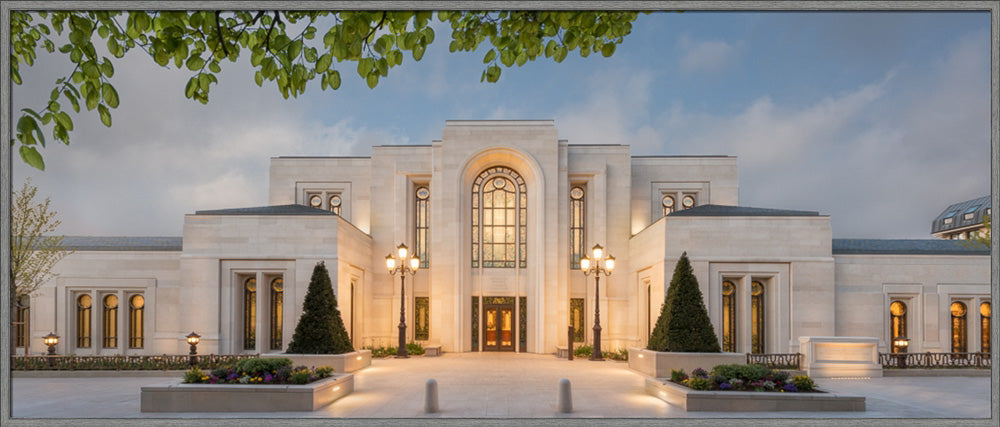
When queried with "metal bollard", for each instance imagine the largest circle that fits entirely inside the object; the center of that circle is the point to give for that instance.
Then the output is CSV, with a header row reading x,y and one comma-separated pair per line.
x,y
431,397
565,397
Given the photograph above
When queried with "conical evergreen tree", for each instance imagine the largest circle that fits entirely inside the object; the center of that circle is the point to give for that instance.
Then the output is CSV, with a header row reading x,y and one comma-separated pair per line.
x,y
320,329
683,325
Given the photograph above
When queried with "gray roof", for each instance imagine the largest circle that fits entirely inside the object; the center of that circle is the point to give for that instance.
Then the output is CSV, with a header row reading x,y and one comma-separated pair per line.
x,y
908,247
269,210
723,210
122,243
977,207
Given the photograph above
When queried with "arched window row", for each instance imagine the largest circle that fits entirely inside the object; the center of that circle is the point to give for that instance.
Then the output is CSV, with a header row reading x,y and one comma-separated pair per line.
x,y
110,319
758,309
577,226
273,316
499,219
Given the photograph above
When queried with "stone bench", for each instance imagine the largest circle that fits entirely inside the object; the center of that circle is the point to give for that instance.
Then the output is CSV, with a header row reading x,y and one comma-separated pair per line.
x,y
432,351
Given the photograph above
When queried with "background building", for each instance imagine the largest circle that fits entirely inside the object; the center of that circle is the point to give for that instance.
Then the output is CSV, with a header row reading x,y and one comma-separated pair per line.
x,y
962,220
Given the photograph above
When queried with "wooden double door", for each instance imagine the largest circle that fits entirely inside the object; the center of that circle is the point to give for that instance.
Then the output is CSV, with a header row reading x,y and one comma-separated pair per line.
x,y
498,327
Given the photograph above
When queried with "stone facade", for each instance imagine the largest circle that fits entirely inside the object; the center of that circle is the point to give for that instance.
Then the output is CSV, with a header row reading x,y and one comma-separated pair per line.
x,y
201,284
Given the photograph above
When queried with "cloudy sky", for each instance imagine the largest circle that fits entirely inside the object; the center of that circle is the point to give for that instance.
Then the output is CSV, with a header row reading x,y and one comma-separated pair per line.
x,y
879,120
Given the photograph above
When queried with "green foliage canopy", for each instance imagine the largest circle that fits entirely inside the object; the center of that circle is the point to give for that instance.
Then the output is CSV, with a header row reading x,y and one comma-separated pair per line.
x,y
286,48
683,325
320,329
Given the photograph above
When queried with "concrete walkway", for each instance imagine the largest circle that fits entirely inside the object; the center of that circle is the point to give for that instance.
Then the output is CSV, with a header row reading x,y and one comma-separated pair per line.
x,y
502,385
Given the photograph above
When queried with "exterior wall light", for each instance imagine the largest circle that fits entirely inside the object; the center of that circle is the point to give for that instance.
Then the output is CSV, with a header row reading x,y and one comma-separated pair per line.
x,y
192,340
51,340
901,343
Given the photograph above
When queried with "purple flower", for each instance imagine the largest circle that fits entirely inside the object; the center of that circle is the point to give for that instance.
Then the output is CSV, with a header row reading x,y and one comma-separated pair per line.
x,y
268,378
725,386
232,376
790,388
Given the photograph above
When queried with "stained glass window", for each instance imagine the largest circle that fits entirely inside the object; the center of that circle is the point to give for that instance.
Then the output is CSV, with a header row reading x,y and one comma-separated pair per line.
x,y
499,219
335,202
422,330
668,205
577,222
728,316
277,301
422,226
110,322
136,321
984,318
757,317
958,328
897,317
83,307
250,314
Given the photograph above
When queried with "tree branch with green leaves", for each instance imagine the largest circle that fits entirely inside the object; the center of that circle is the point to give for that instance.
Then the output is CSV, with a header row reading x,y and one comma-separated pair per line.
x,y
287,49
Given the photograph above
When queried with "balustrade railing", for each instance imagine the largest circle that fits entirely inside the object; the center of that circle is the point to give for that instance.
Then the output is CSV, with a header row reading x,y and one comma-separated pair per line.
x,y
776,360
122,362
929,360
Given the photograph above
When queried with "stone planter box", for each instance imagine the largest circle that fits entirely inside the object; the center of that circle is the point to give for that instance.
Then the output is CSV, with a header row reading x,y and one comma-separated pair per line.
x,y
658,364
751,401
341,363
180,397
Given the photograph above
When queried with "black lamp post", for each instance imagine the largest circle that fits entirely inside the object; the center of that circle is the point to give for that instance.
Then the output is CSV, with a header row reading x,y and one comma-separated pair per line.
x,y
901,343
402,264
597,269
51,340
193,340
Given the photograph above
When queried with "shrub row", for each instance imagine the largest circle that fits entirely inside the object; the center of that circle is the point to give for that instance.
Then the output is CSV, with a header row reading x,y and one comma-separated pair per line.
x,y
258,371
743,378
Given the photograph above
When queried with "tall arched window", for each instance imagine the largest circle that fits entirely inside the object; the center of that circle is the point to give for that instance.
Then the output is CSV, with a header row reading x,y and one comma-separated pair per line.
x,y
757,317
21,313
250,314
728,316
499,219
110,321
897,317
958,328
136,321
577,222
277,295
421,225
984,320
83,304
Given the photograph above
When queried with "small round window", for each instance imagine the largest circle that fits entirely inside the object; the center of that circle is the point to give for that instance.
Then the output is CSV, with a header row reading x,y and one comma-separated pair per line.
x,y
984,309
315,201
137,301
278,285
576,193
251,284
499,182
756,289
84,301
422,193
688,201
335,201
111,301
668,202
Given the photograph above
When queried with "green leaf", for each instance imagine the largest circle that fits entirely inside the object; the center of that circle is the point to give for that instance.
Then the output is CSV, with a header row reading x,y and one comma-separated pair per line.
x,y
214,66
195,63
72,100
490,56
105,115
418,52
334,79
257,78
109,94
93,98
191,87
63,119
493,73
91,70
372,80
365,67
323,63
32,112
608,49
31,157
107,68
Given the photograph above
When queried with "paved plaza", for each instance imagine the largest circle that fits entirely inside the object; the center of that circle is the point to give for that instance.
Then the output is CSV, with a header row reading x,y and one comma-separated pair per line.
x,y
502,385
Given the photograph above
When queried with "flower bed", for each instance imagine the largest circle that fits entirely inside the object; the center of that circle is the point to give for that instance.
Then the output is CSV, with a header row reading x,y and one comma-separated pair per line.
x,y
743,378
249,385
747,388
